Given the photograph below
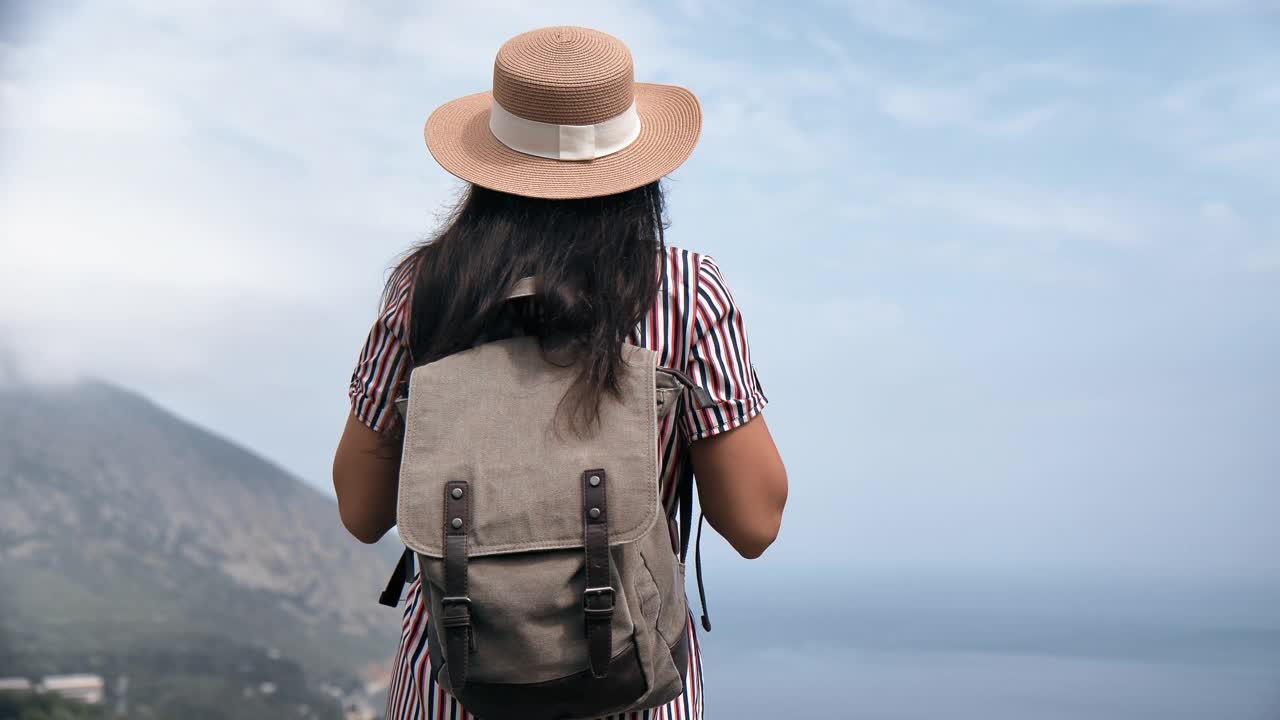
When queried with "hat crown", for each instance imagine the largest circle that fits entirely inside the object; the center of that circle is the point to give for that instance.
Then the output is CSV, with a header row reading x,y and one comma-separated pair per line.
x,y
564,75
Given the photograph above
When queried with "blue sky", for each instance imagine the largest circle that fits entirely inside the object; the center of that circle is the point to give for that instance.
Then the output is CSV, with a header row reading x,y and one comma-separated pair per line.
x,y
1011,270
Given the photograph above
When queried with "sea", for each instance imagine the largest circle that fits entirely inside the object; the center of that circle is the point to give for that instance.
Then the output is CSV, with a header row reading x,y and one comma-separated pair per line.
x,y
885,647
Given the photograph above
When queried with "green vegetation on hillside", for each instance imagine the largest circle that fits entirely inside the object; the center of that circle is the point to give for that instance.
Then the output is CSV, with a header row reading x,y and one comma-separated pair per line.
x,y
184,677
16,705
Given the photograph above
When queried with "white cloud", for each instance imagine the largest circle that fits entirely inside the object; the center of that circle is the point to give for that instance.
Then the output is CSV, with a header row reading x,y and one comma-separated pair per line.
x,y
1197,6
1060,73
1225,241
693,9
99,108
1036,213
1227,121
968,108
857,318
1261,153
845,67
994,99
904,19
1264,258
1217,211
929,107
1022,122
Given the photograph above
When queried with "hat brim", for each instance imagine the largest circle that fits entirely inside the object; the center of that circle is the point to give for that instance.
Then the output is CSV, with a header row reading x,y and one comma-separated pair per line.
x,y
459,138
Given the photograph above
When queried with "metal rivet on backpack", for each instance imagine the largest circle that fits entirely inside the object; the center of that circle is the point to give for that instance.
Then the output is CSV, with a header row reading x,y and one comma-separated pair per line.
x,y
456,523
594,513
457,493
595,480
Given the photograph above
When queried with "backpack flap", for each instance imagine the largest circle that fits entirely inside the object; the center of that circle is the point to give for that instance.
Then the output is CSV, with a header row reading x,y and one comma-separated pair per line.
x,y
489,417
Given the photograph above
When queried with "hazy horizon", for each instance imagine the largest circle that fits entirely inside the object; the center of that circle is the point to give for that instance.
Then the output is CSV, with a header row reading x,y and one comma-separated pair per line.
x,y
996,648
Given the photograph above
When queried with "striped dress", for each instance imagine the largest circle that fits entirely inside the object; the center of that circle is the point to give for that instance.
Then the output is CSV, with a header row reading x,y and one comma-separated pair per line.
x,y
693,326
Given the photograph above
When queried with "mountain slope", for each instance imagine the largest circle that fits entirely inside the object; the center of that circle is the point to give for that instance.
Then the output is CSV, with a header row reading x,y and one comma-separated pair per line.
x,y
121,524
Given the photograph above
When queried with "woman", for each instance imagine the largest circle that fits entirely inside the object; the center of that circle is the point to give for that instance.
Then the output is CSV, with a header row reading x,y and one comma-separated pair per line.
x,y
563,158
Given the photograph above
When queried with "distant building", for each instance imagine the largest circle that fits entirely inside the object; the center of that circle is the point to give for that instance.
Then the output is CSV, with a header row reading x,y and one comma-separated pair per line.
x,y
15,683
85,688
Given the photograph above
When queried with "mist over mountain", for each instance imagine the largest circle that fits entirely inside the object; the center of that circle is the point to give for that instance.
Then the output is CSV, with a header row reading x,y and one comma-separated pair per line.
x,y
123,527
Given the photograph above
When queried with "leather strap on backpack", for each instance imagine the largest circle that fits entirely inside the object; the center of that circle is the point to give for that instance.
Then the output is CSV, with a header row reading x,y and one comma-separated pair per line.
x,y
456,605
597,599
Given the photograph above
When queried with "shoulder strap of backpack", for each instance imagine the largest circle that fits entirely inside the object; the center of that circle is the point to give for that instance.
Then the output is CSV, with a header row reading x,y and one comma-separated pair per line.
x,y
685,495
399,577
523,288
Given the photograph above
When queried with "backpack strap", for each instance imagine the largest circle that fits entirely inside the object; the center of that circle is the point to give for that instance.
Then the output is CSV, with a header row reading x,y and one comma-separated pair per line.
x,y
702,591
681,506
456,605
395,585
701,397
523,288
597,598
685,495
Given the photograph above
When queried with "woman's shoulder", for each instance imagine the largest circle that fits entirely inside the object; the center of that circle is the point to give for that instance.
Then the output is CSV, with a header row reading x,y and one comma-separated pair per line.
x,y
689,265
694,270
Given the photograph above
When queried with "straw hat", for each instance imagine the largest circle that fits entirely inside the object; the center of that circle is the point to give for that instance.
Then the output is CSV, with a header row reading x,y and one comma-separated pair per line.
x,y
565,119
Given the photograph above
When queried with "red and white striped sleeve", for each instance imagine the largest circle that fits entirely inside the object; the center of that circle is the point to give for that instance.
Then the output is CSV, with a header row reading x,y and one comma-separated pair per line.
x,y
720,358
385,359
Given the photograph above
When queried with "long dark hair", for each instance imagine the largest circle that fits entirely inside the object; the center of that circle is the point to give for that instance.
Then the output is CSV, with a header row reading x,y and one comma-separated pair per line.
x,y
597,270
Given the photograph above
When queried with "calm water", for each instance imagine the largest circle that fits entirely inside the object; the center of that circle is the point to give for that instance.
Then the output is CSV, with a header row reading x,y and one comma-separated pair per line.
x,y
889,685
998,651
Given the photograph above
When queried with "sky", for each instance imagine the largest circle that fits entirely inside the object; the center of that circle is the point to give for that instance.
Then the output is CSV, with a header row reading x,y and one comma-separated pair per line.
x,y
1010,270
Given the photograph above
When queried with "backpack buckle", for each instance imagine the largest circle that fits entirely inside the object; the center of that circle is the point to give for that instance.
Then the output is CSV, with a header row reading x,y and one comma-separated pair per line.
x,y
593,613
589,607
455,618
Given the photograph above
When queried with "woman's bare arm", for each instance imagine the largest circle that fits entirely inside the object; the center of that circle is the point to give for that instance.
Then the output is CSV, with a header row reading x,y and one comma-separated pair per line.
x,y
742,485
366,470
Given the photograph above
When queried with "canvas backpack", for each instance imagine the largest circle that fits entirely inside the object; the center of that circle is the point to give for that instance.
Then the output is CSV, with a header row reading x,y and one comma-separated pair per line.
x,y
552,573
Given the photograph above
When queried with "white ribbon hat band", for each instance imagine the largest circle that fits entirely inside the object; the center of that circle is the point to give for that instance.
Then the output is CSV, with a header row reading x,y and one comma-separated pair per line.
x,y
564,142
